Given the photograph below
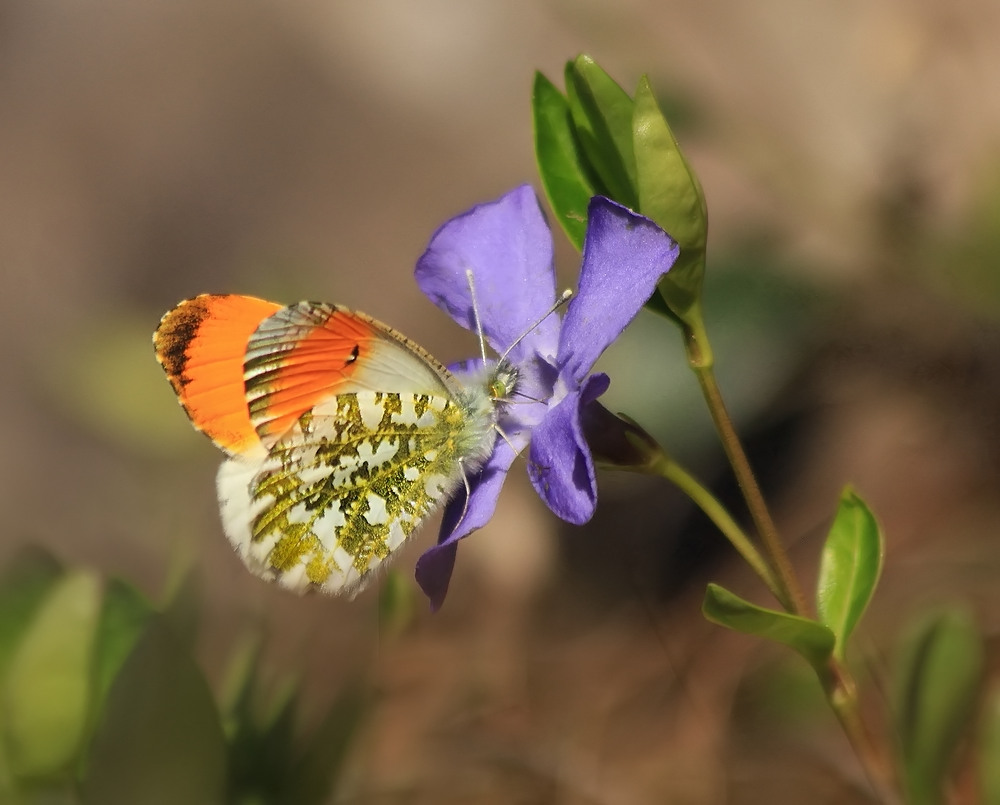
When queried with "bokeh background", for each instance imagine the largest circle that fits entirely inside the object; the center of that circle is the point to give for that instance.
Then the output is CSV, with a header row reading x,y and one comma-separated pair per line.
x,y
301,149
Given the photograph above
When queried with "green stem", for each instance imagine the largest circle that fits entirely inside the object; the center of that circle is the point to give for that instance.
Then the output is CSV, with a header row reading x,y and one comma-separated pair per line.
x,y
700,357
841,693
669,469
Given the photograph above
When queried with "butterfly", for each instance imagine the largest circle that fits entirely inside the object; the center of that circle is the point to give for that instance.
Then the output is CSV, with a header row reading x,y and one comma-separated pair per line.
x,y
341,434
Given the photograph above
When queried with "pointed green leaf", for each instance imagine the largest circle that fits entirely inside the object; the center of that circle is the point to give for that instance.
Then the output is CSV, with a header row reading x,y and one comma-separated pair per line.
x,y
259,763
316,773
669,191
25,583
560,163
670,194
989,753
236,699
46,698
602,115
160,741
849,568
936,684
123,619
810,639
272,751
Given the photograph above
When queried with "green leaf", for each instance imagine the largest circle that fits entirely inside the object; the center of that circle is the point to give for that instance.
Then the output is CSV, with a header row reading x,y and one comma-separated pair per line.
x,y
395,605
25,583
236,699
669,191
849,568
46,697
936,684
671,195
182,605
602,115
680,291
272,750
989,753
160,741
560,163
812,640
318,768
123,619
261,748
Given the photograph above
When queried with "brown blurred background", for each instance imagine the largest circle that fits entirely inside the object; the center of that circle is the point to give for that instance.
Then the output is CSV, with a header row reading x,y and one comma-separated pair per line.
x,y
152,151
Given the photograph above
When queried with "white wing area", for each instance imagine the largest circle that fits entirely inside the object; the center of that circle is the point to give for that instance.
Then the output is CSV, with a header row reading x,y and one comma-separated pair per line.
x,y
347,484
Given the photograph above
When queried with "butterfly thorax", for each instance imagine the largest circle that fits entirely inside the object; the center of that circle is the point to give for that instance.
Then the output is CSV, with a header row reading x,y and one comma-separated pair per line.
x,y
483,397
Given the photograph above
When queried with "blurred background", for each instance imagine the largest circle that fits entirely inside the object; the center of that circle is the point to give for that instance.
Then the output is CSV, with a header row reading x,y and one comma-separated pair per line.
x,y
301,149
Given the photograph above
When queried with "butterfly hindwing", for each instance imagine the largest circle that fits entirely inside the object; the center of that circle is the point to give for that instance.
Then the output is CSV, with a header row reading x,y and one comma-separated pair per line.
x,y
340,491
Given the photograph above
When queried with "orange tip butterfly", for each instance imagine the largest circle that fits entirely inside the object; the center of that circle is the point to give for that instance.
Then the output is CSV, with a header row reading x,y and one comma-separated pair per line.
x,y
341,434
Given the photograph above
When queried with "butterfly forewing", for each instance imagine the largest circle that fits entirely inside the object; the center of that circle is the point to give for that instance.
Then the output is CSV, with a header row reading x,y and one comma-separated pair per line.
x,y
307,352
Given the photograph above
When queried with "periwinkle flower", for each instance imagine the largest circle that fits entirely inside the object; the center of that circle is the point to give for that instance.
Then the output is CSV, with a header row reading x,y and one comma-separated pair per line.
x,y
507,246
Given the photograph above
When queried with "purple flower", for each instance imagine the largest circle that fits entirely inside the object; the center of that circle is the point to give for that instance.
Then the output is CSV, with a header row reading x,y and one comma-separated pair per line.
x,y
507,246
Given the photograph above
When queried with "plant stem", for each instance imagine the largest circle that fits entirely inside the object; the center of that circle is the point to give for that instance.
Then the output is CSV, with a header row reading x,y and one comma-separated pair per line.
x,y
700,358
669,469
841,693
838,684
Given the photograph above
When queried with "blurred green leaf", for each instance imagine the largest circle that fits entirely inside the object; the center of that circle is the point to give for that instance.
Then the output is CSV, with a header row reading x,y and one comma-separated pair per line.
x,y
936,683
46,697
124,615
395,604
160,741
107,379
25,582
849,568
989,752
602,115
812,640
560,163
236,699
182,604
318,768
262,753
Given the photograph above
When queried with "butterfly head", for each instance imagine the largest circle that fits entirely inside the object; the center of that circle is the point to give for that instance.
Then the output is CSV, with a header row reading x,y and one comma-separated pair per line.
x,y
502,381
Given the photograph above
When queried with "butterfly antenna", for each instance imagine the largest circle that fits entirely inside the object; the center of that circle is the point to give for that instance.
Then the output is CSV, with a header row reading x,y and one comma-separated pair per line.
x,y
564,297
475,317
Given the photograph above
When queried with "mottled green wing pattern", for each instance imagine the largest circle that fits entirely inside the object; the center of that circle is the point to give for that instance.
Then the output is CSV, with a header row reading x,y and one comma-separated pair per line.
x,y
345,487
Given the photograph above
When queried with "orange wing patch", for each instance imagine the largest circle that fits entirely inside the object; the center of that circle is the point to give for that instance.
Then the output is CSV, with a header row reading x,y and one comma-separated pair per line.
x,y
299,357
201,345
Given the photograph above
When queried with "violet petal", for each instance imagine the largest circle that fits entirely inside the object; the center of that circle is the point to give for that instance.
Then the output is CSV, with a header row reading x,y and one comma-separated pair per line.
x,y
560,465
507,246
624,256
